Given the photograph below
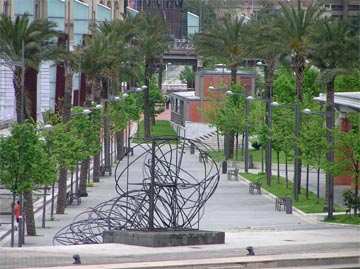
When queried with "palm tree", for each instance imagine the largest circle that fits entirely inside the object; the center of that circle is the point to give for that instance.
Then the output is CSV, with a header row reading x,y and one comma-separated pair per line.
x,y
261,41
223,40
32,43
95,54
124,60
152,34
332,49
294,26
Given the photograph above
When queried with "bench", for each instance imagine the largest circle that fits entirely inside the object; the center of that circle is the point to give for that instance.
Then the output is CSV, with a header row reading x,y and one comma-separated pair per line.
x,y
255,186
70,197
279,204
233,174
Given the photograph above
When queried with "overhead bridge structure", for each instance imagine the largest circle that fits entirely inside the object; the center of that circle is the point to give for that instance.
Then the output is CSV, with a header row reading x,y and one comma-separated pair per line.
x,y
182,52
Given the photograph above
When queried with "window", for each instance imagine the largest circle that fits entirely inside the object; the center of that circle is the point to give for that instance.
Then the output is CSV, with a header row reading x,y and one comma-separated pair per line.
x,y
337,7
353,7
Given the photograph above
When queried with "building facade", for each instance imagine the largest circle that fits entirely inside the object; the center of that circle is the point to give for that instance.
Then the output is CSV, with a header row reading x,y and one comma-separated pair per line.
x,y
74,18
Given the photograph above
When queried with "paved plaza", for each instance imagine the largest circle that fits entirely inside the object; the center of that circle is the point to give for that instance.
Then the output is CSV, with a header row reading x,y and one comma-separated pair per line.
x,y
248,220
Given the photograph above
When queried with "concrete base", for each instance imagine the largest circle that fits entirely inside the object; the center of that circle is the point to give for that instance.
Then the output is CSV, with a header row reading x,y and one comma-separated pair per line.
x,y
164,238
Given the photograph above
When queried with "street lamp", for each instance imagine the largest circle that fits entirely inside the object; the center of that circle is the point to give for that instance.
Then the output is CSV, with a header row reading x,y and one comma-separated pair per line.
x,y
330,157
248,99
296,146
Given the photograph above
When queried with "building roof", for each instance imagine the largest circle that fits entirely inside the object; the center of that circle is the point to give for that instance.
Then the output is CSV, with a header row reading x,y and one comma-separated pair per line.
x,y
344,101
188,95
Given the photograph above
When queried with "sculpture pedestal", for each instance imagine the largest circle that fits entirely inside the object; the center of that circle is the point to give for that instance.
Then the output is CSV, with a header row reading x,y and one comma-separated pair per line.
x,y
164,238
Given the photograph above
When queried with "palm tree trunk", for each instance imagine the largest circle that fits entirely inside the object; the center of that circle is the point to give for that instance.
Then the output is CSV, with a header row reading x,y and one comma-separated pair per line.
x,y
160,80
119,145
66,114
85,164
96,167
62,189
231,142
148,72
96,159
107,164
29,213
330,89
299,71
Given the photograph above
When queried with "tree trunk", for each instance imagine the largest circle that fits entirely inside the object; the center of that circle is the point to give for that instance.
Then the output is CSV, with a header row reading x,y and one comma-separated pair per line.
x,y
299,71
148,73
161,69
66,114
18,95
96,159
330,106
107,164
119,145
62,189
231,143
107,141
96,167
85,164
29,213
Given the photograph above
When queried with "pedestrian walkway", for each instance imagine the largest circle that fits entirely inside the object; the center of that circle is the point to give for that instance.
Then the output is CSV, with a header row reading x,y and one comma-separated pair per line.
x,y
247,220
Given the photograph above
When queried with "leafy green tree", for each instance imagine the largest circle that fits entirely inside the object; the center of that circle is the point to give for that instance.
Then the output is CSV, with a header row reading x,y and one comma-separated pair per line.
x,y
25,43
282,135
348,83
24,163
314,146
347,155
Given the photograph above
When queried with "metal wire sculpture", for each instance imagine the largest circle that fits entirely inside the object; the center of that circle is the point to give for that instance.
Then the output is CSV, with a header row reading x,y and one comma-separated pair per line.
x,y
170,195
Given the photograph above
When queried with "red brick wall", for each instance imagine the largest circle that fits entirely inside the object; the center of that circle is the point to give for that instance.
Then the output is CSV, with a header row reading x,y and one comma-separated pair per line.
x,y
345,126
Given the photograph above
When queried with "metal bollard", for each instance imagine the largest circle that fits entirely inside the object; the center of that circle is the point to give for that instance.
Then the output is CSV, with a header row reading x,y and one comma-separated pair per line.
x,y
192,148
288,205
224,167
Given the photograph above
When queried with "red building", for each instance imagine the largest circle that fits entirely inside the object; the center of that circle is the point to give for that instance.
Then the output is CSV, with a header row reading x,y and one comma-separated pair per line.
x,y
188,106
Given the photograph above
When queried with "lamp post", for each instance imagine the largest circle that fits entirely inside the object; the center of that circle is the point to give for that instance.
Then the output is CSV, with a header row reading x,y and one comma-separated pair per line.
x,y
248,99
224,163
107,139
47,127
296,147
330,158
269,124
86,111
